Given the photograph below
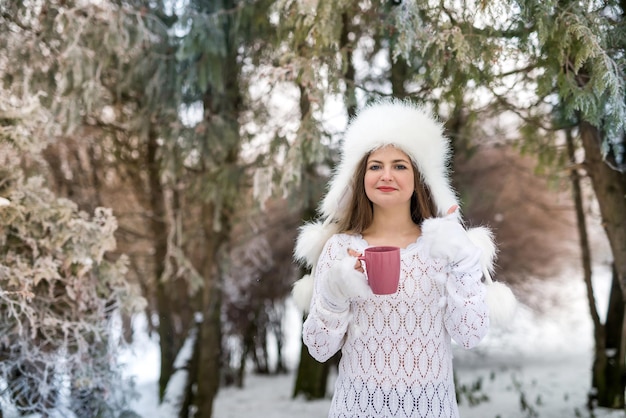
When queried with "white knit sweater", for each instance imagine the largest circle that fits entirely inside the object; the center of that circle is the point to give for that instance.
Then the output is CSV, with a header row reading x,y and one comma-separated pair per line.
x,y
396,349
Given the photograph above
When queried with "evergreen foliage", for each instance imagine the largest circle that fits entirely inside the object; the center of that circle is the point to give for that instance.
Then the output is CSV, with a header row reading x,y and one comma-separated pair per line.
x,y
567,55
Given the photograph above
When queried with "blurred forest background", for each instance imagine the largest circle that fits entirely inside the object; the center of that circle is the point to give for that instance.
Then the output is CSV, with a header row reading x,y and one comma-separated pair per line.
x,y
157,158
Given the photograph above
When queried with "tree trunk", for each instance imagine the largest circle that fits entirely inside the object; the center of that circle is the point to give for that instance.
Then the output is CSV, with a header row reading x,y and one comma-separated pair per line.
x,y
608,379
399,73
222,102
207,375
280,338
599,367
312,376
194,366
610,190
248,345
350,73
158,229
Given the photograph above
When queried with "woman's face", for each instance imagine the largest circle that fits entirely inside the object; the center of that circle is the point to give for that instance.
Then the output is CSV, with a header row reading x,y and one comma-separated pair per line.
x,y
389,180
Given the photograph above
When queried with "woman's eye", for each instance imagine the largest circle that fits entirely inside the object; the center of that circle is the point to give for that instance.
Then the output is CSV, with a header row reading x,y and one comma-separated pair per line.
x,y
374,167
400,167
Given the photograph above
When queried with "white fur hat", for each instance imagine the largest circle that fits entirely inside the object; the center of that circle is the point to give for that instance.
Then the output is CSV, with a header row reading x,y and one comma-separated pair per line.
x,y
406,126
419,134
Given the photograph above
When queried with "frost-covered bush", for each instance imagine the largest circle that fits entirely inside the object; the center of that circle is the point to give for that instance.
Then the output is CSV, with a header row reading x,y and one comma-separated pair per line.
x,y
58,295
61,285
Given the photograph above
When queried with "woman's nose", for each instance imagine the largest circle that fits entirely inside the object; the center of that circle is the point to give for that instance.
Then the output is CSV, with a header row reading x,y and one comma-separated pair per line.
x,y
386,174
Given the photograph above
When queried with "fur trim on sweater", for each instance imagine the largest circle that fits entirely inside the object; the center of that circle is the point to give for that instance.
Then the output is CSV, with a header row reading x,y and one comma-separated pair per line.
x,y
500,298
311,240
308,251
482,237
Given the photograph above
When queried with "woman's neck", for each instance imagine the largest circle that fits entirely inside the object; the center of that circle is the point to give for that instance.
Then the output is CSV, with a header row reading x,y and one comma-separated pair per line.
x,y
392,228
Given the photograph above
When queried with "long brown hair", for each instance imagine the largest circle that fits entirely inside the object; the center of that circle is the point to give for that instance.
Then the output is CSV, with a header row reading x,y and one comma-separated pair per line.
x,y
360,211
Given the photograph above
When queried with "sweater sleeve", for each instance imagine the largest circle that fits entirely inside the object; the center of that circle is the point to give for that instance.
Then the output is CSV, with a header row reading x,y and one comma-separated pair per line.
x,y
467,316
325,327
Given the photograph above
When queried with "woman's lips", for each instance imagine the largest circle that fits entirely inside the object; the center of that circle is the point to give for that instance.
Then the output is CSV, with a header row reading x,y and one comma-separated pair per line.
x,y
386,189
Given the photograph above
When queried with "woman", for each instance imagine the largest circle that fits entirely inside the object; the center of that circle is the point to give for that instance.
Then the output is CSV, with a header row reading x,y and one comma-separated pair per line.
x,y
391,188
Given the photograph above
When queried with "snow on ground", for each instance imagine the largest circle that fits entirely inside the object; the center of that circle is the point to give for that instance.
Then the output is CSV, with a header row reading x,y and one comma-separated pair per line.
x,y
537,367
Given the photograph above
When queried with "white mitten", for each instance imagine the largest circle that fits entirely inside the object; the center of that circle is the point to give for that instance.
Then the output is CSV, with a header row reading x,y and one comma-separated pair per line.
x,y
447,239
342,283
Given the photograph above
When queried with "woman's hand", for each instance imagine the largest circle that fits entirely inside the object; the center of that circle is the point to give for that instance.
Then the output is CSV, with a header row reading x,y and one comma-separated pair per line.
x,y
447,238
358,266
343,282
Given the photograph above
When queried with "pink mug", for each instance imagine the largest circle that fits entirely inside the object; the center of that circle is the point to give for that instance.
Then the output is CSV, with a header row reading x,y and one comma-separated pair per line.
x,y
382,266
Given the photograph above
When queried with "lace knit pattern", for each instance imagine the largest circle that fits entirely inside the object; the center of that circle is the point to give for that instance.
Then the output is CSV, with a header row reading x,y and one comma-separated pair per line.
x,y
396,349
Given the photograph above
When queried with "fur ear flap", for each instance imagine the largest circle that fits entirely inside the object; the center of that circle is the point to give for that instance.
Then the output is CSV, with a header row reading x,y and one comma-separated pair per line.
x,y
311,241
482,237
502,304
302,292
500,299
309,246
